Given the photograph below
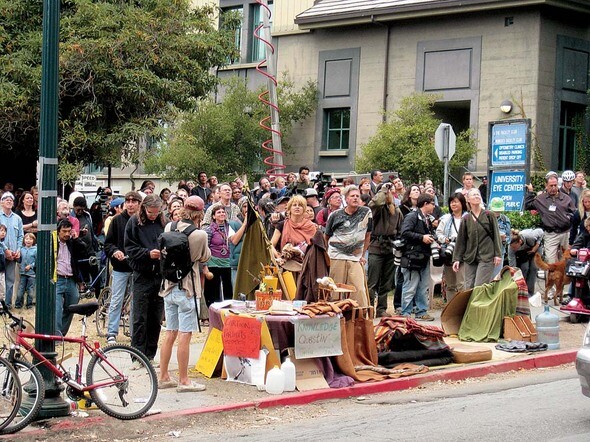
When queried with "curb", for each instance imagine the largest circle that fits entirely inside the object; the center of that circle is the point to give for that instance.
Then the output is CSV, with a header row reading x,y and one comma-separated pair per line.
x,y
529,363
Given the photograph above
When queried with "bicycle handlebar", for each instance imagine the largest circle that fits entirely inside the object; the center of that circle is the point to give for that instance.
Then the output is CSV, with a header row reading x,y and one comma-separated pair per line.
x,y
6,312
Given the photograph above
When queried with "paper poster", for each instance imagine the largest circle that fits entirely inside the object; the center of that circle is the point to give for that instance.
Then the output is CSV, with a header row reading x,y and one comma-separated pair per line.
x,y
317,337
211,353
246,370
241,336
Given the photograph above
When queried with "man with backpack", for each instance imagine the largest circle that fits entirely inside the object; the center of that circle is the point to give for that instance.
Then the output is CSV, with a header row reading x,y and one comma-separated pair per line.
x,y
182,247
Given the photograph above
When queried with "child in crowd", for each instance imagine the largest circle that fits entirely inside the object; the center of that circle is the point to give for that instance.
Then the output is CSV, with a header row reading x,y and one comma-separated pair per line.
x,y
2,261
28,256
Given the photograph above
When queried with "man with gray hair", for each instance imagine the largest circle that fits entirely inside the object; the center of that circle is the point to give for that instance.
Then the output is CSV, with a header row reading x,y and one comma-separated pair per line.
x,y
348,234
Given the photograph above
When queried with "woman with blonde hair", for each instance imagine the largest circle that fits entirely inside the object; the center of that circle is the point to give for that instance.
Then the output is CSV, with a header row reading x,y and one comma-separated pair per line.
x,y
580,215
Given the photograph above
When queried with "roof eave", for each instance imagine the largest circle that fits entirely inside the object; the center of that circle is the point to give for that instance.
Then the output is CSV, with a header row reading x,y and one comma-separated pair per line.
x,y
430,10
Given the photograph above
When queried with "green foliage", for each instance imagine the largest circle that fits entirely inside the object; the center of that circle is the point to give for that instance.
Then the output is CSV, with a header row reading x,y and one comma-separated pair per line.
x,y
523,220
224,138
125,68
405,143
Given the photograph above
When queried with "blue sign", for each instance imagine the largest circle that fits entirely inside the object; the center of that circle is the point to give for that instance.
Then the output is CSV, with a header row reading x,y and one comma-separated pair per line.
x,y
509,144
508,185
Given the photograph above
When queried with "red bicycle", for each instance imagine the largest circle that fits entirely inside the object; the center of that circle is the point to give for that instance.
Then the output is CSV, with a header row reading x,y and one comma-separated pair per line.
x,y
120,379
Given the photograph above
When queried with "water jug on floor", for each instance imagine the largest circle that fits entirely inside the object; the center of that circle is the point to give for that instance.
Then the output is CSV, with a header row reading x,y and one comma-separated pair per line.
x,y
275,381
548,328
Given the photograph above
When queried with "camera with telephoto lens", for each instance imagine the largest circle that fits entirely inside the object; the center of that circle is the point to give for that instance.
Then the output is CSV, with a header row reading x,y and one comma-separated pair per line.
x,y
450,248
435,250
398,249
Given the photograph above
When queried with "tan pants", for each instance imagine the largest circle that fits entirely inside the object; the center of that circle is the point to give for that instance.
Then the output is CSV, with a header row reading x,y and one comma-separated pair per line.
x,y
352,273
454,281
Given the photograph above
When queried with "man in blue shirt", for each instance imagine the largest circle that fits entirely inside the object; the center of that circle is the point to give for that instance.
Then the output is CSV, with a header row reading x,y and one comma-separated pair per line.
x,y
13,241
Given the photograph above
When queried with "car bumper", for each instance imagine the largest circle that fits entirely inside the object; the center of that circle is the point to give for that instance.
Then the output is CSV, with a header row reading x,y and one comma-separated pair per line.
x,y
583,369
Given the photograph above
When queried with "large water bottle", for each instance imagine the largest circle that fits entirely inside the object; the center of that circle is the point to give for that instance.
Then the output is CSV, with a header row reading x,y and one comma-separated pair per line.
x,y
275,381
288,369
548,328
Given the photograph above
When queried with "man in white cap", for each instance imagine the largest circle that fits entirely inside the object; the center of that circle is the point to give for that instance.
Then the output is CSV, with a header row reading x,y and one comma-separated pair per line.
x,y
13,241
180,304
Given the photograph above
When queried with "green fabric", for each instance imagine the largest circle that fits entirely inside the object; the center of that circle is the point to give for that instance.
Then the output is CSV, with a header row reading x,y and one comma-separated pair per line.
x,y
486,309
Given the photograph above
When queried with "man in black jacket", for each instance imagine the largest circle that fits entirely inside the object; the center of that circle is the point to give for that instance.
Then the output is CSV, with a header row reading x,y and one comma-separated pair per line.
x,y
415,263
114,247
141,246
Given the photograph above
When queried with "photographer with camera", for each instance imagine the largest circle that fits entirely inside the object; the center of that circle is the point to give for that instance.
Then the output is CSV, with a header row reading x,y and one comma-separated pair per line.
x,y
387,222
415,262
446,233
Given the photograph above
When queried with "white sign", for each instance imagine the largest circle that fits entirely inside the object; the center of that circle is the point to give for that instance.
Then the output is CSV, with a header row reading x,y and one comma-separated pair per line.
x,y
439,141
317,337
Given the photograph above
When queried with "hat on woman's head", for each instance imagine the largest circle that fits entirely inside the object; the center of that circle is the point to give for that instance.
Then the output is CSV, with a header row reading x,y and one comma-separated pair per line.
x,y
331,191
194,203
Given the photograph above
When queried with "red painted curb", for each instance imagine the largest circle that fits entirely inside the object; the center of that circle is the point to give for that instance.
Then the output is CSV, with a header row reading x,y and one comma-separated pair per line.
x,y
528,363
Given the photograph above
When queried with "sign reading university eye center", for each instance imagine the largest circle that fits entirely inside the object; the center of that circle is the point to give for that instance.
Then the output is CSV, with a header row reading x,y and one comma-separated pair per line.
x,y
508,161
508,185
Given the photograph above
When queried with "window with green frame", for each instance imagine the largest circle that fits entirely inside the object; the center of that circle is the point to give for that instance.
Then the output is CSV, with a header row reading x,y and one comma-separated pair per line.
x,y
257,52
336,128
571,116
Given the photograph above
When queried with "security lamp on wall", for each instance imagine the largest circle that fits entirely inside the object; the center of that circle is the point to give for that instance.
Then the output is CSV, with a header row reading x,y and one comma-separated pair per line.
x,y
506,106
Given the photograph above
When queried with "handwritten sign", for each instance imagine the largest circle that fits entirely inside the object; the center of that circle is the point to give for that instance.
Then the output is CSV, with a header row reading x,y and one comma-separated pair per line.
x,y
317,337
210,354
241,337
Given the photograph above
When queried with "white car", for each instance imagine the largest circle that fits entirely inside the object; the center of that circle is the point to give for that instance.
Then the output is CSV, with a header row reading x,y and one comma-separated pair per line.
x,y
583,363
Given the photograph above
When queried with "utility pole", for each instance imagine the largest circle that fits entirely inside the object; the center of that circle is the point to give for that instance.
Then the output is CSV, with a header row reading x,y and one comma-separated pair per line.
x,y
54,405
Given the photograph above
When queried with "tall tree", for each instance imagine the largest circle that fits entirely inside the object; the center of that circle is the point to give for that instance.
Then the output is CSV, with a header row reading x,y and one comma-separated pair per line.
x,y
224,138
405,143
125,69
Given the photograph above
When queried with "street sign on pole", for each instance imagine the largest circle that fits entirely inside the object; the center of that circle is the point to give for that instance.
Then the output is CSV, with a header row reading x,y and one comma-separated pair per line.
x,y
445,141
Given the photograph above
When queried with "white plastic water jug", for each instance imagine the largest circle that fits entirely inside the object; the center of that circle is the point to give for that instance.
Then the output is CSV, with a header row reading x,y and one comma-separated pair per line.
x,y
275,381
547,324
288,369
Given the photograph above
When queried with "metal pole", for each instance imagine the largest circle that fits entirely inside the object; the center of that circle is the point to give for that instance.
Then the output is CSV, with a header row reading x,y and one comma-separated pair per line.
x,y
272,87
53,405
446,133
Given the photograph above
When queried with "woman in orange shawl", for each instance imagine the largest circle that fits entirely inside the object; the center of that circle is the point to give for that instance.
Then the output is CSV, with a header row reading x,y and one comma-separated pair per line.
x,y
296,230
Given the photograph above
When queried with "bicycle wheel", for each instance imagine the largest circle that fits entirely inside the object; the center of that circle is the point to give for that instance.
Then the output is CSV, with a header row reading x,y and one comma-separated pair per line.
x,y
102,314
126,316
33,394
134,393
10,393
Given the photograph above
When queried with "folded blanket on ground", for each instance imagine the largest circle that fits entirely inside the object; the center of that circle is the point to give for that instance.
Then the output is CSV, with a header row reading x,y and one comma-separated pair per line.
x,y
522,346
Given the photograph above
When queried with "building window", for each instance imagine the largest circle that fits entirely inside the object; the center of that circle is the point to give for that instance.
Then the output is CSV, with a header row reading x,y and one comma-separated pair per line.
x,y
571,118
258,47
337,128
238,34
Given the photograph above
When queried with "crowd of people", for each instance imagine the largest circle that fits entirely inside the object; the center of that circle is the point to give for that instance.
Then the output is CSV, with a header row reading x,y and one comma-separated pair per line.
x,y
379,236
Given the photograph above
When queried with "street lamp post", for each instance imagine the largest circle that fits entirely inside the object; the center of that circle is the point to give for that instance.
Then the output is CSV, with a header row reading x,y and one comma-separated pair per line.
x,y
53,405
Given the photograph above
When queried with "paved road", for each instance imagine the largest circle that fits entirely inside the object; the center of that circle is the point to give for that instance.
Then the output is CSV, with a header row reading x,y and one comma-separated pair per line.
x,y
540,405
547,405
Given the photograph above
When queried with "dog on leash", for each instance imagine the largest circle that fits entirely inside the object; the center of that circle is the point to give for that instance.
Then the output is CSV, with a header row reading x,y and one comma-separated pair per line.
x,y
555,275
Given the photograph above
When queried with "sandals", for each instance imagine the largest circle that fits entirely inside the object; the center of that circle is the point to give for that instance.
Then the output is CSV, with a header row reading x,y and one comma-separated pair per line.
x,y
162,385
205,322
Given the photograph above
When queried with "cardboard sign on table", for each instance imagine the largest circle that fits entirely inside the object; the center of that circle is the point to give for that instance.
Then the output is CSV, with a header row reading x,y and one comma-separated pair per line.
x,y
308,375
317,337
241,336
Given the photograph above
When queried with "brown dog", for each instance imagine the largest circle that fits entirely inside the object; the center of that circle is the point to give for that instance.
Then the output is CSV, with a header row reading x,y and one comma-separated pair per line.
x,y
555,275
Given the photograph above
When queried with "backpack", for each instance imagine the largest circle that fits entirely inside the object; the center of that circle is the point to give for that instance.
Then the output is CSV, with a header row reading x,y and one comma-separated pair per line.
x,y
175,260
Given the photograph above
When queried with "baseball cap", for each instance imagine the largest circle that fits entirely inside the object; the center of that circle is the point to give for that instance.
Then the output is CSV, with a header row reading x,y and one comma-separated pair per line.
x,y
7,195
497,204
194,202
310,192
117,202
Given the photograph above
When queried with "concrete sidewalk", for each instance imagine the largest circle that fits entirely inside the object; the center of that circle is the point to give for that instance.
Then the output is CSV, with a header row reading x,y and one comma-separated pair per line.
x,y
222,395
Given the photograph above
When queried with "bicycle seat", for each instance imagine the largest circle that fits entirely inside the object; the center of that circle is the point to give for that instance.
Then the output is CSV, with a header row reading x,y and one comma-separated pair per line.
x,y
85,309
